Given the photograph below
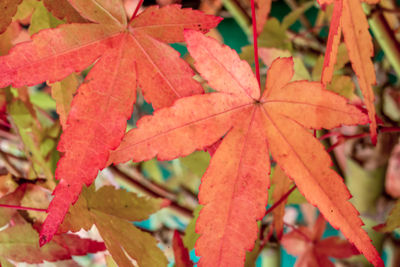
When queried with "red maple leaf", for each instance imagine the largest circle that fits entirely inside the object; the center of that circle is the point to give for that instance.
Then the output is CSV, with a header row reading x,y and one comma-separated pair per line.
x,y
306,243
182,257
254,124
125,53
348,16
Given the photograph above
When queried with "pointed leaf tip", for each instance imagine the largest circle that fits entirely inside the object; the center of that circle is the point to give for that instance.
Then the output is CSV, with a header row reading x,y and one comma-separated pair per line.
x,y
43,240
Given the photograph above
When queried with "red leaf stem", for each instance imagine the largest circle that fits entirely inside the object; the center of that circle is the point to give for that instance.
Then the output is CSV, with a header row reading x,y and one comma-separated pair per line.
x,y
21,208
253,18
136,10
276,204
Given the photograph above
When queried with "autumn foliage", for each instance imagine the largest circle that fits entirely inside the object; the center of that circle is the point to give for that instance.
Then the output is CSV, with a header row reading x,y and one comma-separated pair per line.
x,y
102,61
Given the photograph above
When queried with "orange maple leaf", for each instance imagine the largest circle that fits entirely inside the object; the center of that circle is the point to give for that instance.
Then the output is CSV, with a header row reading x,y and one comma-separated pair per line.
x,y
262,10
234,187
348,16
306,243
126,53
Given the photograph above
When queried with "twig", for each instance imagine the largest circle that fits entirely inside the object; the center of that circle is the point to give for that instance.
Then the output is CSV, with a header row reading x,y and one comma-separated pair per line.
x,y
386,39
293,5
21,208
343,138
283,198
138,181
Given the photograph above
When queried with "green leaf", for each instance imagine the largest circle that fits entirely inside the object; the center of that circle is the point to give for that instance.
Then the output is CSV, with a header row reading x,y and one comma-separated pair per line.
x,y
274,36
13,198
42,19
63,92
25,9
5,263
191,236
393,220
29,130
112,211
342,59
342,85
20,243
196,162
43,100
153,170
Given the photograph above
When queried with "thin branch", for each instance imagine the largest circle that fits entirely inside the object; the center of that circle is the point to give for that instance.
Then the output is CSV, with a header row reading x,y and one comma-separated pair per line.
x,y
343,138
386,39
303,19
21,208
281,200
239,14
151,189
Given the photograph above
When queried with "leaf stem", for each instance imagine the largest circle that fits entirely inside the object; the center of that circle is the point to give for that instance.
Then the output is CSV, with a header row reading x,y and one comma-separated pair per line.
x,y
136,11
285,196
343,138
253,18
21,208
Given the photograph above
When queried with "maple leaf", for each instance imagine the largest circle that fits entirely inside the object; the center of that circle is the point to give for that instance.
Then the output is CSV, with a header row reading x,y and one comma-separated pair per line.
x,y
62,9
282,185
63,92
348,16
8,9
21,243
393,220
112,212
262,9
125,52
13,198
234,191
182,258
306,243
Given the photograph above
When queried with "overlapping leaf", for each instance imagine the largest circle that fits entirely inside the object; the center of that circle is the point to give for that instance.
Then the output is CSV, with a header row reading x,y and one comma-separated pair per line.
x,y
348,16
282,186
393,220
306,243
234,191
111,211
262,9
62,9
125,54
182,258
19,241
8,9
63,92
